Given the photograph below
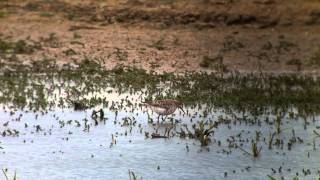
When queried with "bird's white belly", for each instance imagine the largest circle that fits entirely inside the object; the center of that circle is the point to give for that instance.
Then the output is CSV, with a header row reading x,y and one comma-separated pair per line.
x,y
158,110
163,111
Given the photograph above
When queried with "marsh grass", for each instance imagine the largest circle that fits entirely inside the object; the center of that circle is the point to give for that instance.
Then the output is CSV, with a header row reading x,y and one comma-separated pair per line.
x,y
121,55
254,149
315,58
159,44
213,62
70,52
52,41
3,14
132,175
203,133
251,92
5,171
5,46
18,47
295,62
46,14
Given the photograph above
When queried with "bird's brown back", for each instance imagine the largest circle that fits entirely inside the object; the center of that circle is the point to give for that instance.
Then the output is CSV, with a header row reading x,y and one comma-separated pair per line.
x,y
165,103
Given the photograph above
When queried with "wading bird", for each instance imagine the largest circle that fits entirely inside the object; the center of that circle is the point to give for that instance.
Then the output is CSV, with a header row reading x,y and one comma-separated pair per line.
x,y
164,107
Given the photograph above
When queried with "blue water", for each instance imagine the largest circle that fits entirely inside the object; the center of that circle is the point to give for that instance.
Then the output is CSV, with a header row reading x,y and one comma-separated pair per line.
x,y
69,152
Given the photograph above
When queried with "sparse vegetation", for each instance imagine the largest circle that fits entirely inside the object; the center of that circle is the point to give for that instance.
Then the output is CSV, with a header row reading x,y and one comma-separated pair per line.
x,y
51,41
315,58
159,44
69,52
202,133
215,63
3,14
121,55
4,171
132,175
295,62
19,47
46,14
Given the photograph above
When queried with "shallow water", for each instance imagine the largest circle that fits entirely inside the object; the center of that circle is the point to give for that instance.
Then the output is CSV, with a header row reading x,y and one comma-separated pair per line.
x,y
57,142
89,155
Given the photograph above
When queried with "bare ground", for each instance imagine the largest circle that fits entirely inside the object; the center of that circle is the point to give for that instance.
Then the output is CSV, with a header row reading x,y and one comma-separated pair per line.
x,y
209,35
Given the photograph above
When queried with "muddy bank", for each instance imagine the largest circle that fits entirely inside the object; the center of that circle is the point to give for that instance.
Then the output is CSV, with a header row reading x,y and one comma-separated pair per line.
x,y
172,36
201,14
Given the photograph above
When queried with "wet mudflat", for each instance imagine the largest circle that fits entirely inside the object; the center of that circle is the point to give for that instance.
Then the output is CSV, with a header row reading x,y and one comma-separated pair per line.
x,y
81,121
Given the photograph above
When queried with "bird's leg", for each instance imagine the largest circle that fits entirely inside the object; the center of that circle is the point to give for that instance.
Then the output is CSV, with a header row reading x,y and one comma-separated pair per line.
x,y
165,132
158,118
168,132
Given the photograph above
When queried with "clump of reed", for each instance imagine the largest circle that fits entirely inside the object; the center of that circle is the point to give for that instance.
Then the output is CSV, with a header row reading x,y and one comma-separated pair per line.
x,y
203,132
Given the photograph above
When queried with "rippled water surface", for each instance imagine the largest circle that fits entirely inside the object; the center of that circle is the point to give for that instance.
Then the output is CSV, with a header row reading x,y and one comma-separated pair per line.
x,y
46,136
70,151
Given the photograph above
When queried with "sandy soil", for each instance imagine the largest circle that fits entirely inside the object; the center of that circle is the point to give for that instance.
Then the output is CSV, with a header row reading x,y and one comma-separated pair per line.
x,y
175,36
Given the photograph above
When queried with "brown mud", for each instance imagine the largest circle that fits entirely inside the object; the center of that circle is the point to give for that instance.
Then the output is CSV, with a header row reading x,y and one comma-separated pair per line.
x,y
198,35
